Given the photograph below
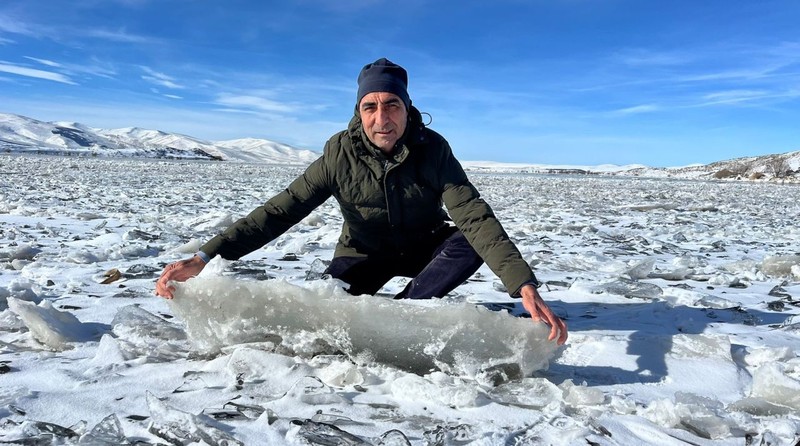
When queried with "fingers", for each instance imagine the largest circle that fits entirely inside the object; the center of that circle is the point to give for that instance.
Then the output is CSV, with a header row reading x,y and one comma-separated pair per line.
x,y
171,273
180,271
162,287
540,312
558,329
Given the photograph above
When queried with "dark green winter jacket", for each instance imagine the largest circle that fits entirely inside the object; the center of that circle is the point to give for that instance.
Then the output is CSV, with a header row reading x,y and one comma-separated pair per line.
x,y
388,203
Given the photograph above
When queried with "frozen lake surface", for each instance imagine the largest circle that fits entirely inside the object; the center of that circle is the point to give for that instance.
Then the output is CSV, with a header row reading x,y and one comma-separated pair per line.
x,y
681,298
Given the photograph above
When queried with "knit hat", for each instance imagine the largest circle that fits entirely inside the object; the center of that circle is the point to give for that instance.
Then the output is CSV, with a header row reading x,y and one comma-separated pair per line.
x,y
383,76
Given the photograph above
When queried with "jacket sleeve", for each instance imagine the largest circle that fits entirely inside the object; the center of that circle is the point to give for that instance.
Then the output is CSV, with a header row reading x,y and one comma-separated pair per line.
x,y
476,220
274,217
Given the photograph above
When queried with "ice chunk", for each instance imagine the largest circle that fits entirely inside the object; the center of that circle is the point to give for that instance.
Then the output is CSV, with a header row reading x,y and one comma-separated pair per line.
x,y
392,438
791,324
53,328
84,257
629,289
756,357
110,356
528,392
590,261
266,374
310,390
211,222
327,434
689,261
9,321
459,338
779,265
317,269
145,334
771,383
583,395
707,426
675,274
133,321
641,269
665,412
723,279
25,252
178,427
758,406
108,432
190,247
20,289
341,374
436,387
19,265
450,434
740,266
31,432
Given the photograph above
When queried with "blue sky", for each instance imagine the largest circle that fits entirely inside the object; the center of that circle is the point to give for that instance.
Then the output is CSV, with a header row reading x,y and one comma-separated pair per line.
x,y
581,82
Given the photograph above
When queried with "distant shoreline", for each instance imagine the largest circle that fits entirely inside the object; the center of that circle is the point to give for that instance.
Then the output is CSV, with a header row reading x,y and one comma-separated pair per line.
x,y
650,173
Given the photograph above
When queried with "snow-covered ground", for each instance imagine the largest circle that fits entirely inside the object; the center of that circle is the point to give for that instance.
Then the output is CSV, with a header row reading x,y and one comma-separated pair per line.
x,y
681,298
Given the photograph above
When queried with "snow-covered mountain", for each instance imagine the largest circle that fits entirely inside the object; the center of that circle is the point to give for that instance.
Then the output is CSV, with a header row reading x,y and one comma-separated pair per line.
x,y
20,134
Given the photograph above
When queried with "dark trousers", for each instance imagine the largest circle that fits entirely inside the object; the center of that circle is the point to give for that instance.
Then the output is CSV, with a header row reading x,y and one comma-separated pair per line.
x,y
436,268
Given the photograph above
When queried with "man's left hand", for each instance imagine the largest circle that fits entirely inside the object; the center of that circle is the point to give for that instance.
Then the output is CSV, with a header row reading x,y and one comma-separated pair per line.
x,y
539,311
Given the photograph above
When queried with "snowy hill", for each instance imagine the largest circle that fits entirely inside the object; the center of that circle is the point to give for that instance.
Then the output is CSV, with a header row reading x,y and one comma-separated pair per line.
x,y
20,134
780,166
262,150
783,167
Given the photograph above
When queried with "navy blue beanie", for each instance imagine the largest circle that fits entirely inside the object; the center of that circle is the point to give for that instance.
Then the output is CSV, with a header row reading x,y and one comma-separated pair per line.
x,y
383,76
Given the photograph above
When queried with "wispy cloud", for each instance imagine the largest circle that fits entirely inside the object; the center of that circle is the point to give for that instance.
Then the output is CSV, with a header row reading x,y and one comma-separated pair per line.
x,y
161,79
92,67
735,95
711,63
18,26
738,97
254,103
166,95
13,25
120,35
39,74
49,63
641,57
638,109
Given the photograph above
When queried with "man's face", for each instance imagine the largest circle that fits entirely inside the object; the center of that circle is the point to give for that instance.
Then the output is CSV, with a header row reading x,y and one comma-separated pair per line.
x,y
384,117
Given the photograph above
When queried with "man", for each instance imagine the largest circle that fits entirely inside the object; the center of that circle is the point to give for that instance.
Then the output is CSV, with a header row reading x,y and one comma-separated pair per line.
x,y
390,175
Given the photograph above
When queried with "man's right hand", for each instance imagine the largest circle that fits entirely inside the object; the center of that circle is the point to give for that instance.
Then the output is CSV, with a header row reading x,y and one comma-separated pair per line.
x,y
180,271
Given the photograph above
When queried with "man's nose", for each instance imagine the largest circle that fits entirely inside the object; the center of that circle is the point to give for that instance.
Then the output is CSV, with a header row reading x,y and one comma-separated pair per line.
x,y
381,115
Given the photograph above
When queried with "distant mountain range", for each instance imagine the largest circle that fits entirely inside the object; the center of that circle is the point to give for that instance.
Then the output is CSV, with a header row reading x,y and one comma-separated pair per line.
x,y
20,134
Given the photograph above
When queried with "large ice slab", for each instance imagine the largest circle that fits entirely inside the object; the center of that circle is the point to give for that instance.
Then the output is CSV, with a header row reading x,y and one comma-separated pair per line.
x,y
458,338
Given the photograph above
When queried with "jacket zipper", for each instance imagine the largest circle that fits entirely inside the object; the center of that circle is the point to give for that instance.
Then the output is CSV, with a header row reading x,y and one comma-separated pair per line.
x,y
386,168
